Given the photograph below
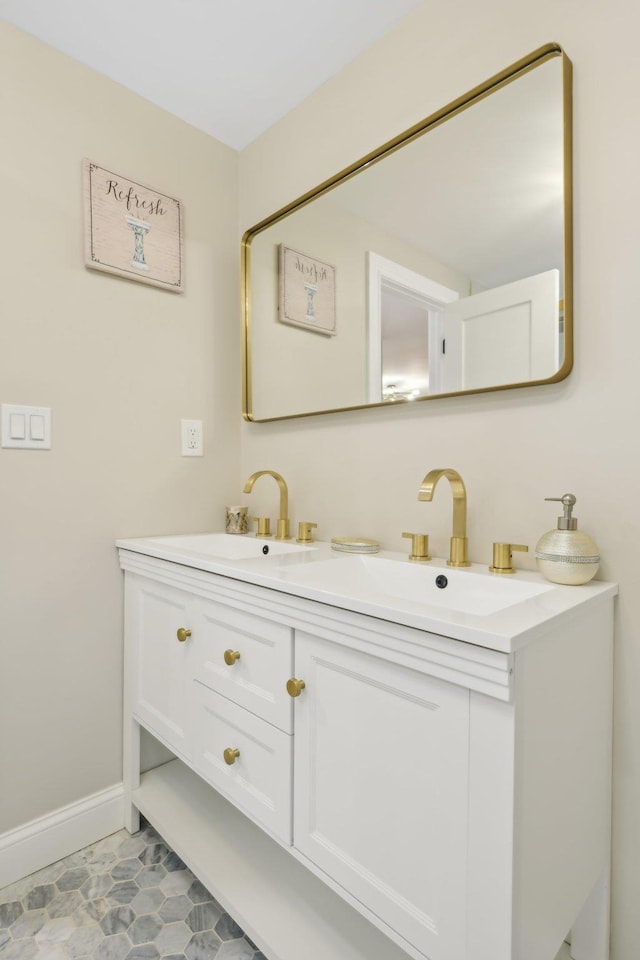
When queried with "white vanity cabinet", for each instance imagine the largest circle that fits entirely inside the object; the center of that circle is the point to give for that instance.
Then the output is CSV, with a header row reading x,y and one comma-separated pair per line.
x,y
422,796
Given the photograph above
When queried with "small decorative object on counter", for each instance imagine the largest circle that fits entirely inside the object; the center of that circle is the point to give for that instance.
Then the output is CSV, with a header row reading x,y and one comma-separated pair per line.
x,y
237,521
354,545
567,555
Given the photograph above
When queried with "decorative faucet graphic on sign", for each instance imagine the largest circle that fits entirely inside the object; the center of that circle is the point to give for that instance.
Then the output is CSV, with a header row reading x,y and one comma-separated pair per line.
x,y
140,230
311,292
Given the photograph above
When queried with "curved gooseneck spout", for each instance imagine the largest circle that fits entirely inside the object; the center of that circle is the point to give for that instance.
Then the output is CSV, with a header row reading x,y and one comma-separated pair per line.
x,y
282,530
458,556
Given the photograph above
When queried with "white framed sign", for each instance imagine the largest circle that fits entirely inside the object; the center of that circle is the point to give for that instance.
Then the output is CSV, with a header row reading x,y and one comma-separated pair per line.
x,y
132,230
307,292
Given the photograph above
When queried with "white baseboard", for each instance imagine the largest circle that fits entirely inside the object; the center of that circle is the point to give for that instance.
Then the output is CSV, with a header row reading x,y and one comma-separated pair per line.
x,y
43,841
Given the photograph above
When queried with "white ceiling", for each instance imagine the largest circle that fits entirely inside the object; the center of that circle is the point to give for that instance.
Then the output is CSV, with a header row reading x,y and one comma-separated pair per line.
x,y
230,67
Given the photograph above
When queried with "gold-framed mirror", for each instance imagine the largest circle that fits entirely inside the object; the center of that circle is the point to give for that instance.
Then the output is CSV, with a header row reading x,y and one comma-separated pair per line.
x,y
439,264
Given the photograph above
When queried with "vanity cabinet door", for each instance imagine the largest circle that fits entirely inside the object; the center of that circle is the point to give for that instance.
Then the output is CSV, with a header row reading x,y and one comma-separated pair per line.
x,y
380,789
161,667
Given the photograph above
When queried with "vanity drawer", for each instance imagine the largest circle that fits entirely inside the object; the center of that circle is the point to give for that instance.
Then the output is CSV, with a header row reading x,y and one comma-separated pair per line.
x,y
258,778
256,679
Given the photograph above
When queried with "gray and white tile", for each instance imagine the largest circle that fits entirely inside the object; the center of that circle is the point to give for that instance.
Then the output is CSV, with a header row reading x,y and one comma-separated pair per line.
x,y
123,898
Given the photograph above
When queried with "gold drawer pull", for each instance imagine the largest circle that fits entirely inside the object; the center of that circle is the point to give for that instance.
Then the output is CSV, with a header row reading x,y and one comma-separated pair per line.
x,y
230,756
295,687
183,634
230,657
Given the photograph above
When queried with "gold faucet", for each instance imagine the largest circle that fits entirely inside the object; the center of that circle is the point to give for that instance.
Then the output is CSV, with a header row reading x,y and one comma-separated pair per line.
x,y
282,529
459,543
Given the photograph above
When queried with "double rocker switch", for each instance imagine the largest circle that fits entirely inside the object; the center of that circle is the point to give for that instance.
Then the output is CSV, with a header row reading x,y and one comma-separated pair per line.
x,y
26,427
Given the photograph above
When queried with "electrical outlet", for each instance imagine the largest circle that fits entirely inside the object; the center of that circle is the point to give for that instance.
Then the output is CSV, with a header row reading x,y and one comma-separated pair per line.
x,y
191,432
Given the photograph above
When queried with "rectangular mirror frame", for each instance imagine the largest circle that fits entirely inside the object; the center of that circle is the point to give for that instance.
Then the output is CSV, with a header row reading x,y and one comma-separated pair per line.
x,y
539,56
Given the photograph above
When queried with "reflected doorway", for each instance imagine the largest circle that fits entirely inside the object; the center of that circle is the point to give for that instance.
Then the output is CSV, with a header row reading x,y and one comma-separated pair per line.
x,y
405,311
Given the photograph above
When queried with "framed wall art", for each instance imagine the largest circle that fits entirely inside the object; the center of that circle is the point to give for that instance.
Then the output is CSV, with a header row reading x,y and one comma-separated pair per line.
x,y
307,292
132,230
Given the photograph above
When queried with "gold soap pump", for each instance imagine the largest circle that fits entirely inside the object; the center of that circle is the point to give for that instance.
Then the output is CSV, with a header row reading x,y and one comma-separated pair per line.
x,y
567,555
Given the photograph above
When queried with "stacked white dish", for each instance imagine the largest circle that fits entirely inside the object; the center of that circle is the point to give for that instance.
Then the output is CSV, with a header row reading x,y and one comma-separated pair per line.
x,y
354,545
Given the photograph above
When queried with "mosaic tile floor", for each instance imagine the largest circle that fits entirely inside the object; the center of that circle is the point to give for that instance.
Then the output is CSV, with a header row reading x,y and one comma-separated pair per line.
x,y
123,898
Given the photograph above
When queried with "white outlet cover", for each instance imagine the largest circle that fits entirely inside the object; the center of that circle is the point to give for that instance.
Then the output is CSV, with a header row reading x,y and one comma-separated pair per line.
x,y
191,438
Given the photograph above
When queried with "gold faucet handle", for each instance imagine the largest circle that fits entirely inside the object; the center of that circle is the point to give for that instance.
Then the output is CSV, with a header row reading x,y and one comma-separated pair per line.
x,y
502,556
264,526
419,546
304,532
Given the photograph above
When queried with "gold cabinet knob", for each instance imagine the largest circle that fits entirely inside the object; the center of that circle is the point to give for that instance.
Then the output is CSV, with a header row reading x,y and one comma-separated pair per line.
x,y
183,634
230,657
295,687
230,756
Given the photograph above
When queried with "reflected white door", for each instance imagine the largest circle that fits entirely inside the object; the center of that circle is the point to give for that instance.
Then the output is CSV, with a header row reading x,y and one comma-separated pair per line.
x,y
411,361
510,334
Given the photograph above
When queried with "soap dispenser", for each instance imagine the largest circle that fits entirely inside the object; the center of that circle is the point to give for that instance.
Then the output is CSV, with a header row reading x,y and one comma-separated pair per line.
x,y
567,555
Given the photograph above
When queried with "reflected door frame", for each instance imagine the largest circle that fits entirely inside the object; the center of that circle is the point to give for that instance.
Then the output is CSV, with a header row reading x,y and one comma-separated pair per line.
x,y
382,272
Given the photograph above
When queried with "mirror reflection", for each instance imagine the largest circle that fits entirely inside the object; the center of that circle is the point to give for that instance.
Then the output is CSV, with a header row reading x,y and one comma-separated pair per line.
x,y
438,268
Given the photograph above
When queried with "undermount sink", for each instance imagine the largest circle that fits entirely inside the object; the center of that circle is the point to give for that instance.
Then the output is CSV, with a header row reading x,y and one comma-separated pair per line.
x,y
378,578
226,546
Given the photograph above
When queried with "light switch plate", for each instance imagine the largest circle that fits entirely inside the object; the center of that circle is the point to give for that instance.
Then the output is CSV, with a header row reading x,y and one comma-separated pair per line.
x,y
34,423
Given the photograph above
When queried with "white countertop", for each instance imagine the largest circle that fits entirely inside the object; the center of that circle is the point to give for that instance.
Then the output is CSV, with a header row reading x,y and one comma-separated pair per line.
x,y
511,617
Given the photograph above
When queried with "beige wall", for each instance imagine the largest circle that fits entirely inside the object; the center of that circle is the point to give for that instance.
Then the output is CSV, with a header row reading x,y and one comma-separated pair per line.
x,y
119,363
359,473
